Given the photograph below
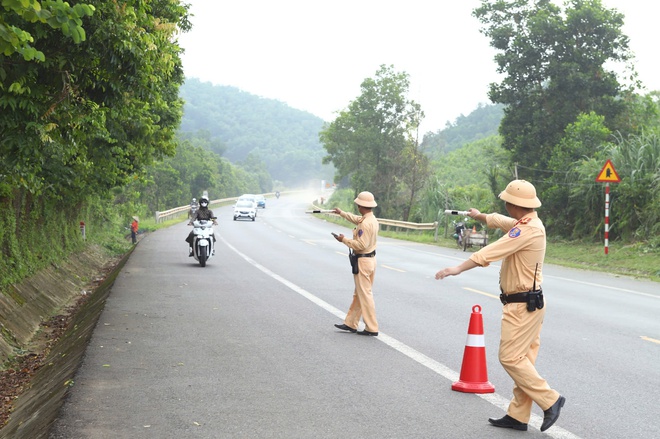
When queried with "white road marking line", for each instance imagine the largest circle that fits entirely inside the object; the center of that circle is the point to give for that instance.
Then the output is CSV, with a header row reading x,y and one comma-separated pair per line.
x,y
603,286
439,368
652,340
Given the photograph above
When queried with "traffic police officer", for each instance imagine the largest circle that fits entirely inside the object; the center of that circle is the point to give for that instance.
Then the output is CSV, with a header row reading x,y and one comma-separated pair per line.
x,y
522,249
363,245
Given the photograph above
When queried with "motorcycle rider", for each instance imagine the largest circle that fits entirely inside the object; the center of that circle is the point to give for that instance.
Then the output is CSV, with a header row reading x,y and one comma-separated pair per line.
x,y
193,207
458,232
203,213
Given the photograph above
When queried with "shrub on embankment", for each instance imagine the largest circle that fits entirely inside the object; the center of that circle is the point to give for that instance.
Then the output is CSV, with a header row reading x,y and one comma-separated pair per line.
x,y
41,235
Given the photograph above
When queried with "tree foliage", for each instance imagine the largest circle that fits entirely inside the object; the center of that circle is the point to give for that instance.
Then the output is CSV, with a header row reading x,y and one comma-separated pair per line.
x,y
88,99
374,142
191,171
554,63
90,115
54,14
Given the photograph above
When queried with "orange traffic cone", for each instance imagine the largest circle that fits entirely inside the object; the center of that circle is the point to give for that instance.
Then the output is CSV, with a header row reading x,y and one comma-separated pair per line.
x,y
474,229
474,373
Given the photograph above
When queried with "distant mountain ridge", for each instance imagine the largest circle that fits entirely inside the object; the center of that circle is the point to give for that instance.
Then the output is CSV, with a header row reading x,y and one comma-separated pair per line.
x,y
240,124
286,139
481,123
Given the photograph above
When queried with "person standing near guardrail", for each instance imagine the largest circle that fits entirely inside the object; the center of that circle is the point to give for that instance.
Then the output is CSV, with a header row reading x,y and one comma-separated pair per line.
x,y
522,249
363,247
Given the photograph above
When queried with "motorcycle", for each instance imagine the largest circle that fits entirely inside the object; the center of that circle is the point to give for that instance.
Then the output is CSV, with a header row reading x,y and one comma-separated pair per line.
x,y
203,245
193,210
459,233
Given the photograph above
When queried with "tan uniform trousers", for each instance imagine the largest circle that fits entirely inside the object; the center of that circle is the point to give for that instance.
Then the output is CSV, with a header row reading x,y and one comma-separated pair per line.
x,y
519,345
363,300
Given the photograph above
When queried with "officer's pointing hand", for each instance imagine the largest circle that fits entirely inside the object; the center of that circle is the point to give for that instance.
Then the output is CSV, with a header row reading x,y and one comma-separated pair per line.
x,y
336,210
340,238
449,271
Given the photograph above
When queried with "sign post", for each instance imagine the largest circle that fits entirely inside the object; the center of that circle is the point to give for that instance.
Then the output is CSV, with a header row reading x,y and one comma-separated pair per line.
x,y
607,175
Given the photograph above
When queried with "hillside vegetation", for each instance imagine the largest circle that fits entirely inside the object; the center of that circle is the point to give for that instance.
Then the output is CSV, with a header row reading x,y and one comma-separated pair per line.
x,y
240,125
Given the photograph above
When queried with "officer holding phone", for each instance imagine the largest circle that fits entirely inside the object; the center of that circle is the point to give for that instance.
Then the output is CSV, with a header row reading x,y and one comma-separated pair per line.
x,y
363,247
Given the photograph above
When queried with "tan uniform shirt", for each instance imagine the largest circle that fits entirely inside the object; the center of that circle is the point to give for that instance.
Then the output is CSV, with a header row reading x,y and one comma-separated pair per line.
x,y
365,234
522,248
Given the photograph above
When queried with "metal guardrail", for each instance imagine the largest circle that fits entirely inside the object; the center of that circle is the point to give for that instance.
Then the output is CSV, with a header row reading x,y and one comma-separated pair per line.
x,y
411,226
403,224
177,211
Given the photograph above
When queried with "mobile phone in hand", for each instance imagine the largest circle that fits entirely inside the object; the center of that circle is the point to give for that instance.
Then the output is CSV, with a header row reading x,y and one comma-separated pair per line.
x,y
334,234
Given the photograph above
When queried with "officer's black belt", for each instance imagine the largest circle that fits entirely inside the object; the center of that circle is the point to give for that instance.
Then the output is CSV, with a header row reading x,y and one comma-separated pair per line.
x,y
518,297
366,255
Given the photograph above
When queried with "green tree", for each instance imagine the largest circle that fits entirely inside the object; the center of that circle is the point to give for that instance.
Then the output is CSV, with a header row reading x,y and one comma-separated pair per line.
x,y
371,141
82,113
563,201
416,178
90,116
54,14
554,66
637,197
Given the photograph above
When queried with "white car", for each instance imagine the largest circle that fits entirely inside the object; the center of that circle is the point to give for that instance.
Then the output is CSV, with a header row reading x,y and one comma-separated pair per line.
x,y
250,197
245,209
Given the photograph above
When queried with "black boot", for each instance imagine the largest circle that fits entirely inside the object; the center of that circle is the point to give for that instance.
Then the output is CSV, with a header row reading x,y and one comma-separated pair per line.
x,y
508,422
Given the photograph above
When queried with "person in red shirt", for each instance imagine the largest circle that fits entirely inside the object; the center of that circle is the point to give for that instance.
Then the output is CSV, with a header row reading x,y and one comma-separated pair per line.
x,y
134,229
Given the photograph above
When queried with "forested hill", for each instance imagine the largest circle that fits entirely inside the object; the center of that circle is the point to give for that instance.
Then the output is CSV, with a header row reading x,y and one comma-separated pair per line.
x,y
239,123
481,123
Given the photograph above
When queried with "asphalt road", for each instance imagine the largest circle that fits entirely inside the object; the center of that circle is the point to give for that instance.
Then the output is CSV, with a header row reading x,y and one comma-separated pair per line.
x,y
246,348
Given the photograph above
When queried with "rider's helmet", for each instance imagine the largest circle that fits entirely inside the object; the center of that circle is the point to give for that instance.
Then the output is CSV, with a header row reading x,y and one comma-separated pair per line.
x,y
194,200
204,202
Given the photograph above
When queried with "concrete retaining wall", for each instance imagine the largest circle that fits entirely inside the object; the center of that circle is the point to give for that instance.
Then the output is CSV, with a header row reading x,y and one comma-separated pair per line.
x,y
21,313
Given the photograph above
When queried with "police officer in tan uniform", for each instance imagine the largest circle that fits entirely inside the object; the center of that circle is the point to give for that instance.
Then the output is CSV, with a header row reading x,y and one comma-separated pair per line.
x,y
522,249
363,245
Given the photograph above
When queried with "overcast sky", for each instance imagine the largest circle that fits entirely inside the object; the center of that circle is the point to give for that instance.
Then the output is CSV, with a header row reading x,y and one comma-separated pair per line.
x,y
314,54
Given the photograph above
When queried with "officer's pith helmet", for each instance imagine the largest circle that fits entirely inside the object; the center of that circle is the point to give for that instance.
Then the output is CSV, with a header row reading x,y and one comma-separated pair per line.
x,y
365,199
521,193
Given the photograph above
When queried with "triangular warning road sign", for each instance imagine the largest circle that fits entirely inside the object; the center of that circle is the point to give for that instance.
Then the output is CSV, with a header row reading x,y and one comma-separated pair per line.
x,y
608,174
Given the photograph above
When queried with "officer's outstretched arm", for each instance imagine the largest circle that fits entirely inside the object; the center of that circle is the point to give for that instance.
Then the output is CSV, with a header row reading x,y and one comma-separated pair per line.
x,y
455,271
475,214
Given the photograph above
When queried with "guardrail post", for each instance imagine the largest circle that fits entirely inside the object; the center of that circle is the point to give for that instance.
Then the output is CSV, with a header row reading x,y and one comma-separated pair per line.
x,y
435,234
157,217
